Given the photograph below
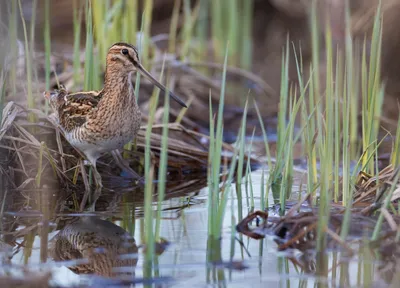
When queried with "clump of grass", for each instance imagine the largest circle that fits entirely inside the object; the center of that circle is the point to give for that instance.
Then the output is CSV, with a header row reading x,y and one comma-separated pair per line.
x,y
281,177
329,118
217,201
115,21
215,161
372,91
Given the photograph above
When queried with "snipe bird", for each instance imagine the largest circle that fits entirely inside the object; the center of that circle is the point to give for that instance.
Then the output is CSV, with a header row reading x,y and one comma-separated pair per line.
x,y
96,122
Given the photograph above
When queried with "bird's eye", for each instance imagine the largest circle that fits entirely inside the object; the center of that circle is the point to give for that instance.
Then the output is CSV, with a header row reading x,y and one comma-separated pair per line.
x,y
125,51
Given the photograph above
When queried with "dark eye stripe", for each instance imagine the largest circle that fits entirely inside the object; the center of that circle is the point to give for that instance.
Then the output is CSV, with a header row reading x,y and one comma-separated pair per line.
x,y
131,59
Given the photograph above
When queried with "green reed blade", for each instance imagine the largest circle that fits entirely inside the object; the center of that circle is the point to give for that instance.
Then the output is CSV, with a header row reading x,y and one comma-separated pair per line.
x,y
47,48
245,40
28,60
149,177
89,67
77,20
13,38
395,157
174,27
210,171
162,172
148,9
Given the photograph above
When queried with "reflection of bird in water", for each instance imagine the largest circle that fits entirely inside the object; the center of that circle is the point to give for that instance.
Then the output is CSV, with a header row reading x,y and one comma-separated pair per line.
x,y
100,242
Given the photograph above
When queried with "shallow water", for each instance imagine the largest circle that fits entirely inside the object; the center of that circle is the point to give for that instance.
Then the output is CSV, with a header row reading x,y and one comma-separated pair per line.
x,y
184,262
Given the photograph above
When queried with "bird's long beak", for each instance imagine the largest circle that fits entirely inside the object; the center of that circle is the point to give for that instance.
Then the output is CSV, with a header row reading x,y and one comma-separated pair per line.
x,y
159,85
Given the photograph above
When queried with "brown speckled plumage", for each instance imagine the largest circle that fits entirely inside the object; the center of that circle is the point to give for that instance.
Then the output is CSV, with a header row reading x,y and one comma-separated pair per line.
x,y
98,122
101,243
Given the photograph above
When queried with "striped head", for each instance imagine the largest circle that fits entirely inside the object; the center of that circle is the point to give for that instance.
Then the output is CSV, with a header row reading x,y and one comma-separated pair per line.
x,y
123,57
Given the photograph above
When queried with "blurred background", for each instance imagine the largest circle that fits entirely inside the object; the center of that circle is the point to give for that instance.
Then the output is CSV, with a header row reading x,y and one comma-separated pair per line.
x,y
270,21
264,36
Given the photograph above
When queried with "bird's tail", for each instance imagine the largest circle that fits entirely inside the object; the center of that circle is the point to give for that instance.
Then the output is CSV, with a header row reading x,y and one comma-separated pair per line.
x,y
56,96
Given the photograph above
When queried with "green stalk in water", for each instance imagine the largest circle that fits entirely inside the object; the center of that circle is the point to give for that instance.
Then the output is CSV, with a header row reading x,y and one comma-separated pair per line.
x,y
347,94
162,170
149,236
216,156
239,177
277,173
338,92
248,172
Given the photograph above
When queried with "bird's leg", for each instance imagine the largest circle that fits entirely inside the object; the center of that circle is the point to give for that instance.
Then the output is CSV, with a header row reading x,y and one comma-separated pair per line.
x,y
97,191
97,177
92,159
124,165
95,195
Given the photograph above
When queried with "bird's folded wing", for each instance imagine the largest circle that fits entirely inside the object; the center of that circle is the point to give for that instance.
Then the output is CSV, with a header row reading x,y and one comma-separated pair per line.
x,y
74,108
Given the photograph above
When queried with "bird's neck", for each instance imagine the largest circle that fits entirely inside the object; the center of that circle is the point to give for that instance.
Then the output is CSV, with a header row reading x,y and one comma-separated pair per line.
x,y
118,85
